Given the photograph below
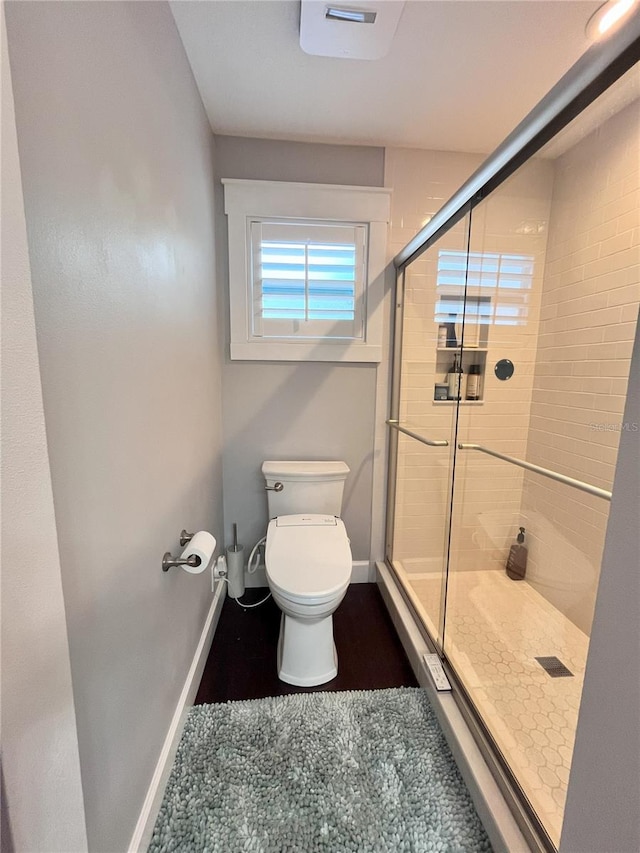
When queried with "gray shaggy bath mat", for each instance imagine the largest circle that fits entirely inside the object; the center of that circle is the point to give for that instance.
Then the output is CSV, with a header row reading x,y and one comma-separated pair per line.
x,y
356,771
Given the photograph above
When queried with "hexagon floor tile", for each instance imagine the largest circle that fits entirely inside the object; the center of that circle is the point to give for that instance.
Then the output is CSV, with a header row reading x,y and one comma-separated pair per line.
x,y
495,629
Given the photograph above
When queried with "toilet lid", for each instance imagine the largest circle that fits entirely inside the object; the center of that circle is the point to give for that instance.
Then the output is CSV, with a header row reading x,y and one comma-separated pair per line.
x,y
308,556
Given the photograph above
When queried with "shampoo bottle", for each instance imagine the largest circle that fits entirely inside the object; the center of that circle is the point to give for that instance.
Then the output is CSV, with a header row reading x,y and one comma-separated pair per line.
x,y
473,383
516,567
454,378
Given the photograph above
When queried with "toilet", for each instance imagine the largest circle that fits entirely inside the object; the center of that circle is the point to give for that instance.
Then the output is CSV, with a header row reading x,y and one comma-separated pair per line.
x,y
308,562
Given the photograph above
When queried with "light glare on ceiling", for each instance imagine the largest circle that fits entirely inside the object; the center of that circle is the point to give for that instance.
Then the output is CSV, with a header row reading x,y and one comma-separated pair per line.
x,y
607,16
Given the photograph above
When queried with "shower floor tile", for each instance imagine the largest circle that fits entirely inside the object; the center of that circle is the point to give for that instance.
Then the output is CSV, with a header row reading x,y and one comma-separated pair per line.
x,y
495,630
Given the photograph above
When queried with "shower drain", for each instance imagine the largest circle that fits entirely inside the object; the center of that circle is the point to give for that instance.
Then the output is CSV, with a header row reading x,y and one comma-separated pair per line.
x,y
554,667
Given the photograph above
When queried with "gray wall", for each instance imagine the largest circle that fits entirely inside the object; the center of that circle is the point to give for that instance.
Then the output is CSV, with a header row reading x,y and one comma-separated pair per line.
x,y
40,788
116,156
294,411
602,800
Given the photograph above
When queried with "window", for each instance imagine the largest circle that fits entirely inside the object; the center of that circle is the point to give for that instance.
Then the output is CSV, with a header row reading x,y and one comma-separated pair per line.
x,y
308,280
498,286
306,269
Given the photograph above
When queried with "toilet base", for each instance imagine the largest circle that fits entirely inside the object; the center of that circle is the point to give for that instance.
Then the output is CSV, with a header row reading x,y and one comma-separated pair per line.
x,y
306,652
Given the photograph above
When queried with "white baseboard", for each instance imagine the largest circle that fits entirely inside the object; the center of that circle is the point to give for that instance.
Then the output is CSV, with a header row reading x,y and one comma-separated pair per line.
x,y
151,806
362,572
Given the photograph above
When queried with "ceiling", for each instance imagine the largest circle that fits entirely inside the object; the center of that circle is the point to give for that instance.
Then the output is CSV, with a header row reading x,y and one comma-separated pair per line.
x,y
459,76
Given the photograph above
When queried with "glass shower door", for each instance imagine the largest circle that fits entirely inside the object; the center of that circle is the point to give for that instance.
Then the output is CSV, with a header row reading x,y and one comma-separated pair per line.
x,y
429,317
540,284
553,256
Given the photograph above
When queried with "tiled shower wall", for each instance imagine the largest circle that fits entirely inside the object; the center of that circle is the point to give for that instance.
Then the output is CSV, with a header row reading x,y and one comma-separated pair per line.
x,y
487,498
563,407
488,494
422,181
587,326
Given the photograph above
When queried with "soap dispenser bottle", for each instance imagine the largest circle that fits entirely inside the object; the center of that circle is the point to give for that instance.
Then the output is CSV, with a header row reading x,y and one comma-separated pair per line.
x,y
516,567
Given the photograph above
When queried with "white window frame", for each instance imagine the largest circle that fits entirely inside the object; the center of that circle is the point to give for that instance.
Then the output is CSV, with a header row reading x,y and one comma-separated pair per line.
x,y
246,201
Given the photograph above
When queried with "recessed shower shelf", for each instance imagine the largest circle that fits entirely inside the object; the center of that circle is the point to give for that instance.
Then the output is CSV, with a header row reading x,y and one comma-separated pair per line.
x,y
474,366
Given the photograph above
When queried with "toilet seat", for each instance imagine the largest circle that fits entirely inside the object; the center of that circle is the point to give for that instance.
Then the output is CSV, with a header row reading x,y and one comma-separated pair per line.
x,y
308,557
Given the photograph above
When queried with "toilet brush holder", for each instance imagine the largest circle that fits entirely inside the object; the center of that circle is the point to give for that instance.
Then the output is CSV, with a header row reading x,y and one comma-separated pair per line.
x,y
235,570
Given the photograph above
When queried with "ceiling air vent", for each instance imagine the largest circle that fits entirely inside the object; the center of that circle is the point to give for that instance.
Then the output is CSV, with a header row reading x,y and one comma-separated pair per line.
x,y
354,16
357,29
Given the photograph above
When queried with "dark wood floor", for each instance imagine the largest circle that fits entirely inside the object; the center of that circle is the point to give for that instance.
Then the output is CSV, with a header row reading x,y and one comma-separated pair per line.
x,y
242,660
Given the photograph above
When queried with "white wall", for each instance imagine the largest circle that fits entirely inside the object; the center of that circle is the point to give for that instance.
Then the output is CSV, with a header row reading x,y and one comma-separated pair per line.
x,y
117,171
303,410
42,807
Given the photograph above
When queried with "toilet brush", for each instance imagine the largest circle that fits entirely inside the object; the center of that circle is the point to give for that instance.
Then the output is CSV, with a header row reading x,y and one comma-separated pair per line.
x,y
235,566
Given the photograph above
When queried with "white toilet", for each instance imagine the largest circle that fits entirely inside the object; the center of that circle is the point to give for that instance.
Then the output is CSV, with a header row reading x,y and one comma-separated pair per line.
x,y
308,561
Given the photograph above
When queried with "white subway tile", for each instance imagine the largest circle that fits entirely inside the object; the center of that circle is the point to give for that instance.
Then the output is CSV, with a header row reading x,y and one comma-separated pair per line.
x,y
618,243
629,295
620,332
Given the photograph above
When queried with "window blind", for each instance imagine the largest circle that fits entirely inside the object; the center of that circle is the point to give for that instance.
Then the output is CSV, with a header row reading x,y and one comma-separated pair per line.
x,y
308,279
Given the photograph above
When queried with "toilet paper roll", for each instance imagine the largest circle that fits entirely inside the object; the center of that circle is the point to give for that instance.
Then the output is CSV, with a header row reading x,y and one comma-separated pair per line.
x,y
203,545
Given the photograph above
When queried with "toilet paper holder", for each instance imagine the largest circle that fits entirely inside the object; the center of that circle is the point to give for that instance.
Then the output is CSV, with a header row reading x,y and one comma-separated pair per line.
x,y
185,537
169,561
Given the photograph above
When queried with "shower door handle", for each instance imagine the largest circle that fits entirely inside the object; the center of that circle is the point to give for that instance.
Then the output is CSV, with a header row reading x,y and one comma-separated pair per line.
x,y
537,469
432,442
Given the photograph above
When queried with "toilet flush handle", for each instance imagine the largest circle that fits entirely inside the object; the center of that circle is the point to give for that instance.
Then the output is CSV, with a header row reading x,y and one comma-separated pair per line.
x,y
277,487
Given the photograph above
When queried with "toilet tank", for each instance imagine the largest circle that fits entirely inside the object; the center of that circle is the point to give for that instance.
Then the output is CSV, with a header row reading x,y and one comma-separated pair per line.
x,y
313,487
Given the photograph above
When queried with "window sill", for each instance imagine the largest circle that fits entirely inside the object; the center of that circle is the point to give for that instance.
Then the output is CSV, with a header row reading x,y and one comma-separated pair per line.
x,y
306,351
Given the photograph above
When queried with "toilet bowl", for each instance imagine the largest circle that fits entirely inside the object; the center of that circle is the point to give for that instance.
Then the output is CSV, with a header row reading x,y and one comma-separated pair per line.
x,y
308,564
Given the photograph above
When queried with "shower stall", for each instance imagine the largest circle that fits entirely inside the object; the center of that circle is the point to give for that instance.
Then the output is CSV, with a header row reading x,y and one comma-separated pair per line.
x,y
531,276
